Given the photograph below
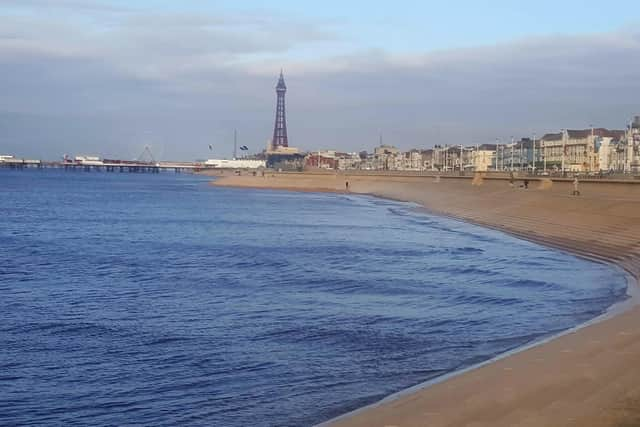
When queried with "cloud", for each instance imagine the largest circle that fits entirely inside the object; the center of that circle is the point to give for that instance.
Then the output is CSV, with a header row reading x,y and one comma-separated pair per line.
x,y
158,46
184,81
75,5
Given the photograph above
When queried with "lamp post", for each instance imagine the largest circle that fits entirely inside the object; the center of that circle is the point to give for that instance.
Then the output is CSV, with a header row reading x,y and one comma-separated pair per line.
x,y
533,154
446,157
591,152
475,157
564,148
628,152
513,145
544,157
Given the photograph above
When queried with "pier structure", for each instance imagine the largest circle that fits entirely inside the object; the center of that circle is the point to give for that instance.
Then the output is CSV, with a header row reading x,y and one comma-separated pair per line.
x,y
120,166
13,163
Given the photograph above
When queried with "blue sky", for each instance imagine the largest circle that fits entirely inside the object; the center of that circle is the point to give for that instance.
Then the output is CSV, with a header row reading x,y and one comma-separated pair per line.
x,y
92,76
402,25
418,25
410,26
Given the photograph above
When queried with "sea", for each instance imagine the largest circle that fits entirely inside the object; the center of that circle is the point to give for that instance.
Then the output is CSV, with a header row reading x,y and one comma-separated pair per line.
x,y
158,299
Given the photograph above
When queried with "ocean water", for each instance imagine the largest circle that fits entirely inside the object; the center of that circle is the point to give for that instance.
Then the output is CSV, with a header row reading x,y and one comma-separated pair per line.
x,y
160,300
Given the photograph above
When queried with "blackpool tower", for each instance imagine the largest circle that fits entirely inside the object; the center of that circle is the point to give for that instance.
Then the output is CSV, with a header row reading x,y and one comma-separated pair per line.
x,y
280,128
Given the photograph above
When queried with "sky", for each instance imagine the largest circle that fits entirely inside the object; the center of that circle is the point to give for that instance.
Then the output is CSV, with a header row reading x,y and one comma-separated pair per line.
x,y
108,77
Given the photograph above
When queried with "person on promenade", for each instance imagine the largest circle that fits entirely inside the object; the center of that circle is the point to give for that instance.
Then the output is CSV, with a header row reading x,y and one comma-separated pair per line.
x,y
575,192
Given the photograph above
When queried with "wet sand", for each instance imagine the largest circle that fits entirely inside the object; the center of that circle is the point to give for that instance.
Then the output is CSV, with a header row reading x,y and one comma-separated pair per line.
x,y
587,377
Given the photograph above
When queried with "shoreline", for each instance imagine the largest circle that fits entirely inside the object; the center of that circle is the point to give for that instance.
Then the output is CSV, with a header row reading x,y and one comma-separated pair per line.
x,y
617,308
613,310
514,407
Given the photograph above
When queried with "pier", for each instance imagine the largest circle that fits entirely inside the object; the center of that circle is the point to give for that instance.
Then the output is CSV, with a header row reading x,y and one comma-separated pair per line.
x,y
119,166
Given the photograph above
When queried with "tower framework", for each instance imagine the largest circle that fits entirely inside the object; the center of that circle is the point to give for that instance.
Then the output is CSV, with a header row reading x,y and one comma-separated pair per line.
x,y
280,128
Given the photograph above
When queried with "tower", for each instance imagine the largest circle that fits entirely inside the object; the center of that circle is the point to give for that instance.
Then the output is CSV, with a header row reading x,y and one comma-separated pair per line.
x,y
280,128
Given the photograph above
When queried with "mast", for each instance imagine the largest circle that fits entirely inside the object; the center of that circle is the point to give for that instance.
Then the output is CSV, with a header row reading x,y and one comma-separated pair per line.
x,y
235,144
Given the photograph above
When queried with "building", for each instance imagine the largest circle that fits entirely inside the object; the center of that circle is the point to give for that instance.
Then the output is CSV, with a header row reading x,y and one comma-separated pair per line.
x,y
517,156
618,155
88,160
349,161
484,158
285,161
427,159
467,158
385,150
327,159
447,158
331,159
575,150
633,145
606,152
384,157
412,161
235,164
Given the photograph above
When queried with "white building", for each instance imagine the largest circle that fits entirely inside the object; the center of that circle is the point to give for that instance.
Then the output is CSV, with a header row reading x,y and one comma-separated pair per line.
x,y
483,160
88,160
349,161
605,154
235,164
633,145
412,161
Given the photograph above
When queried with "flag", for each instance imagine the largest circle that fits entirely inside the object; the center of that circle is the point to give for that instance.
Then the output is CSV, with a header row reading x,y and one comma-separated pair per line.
x,y
210,147
244,148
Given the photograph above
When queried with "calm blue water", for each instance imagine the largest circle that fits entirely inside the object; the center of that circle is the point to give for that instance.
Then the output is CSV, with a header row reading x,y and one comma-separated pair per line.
x,y
160,300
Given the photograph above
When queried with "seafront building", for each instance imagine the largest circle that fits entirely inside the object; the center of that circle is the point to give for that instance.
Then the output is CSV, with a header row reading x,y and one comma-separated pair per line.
x,y
633,145
484,158
235,164
516,156
583,151
578,150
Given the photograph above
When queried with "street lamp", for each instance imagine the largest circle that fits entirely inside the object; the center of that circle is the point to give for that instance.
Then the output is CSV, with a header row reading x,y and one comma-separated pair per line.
x,y
513,146
564,149
533,154
521,166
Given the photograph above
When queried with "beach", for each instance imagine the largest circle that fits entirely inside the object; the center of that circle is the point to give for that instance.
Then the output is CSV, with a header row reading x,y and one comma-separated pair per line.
x,y
587,377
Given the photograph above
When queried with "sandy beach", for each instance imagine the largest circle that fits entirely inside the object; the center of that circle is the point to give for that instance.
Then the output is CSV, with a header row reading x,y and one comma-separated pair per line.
x,y
588,377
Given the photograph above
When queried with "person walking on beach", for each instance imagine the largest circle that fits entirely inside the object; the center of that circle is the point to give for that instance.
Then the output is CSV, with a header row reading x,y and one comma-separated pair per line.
x,y
346,185
575,192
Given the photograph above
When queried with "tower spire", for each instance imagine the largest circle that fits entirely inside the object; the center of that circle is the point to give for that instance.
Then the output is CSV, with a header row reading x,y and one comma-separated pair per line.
x,y
280,128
